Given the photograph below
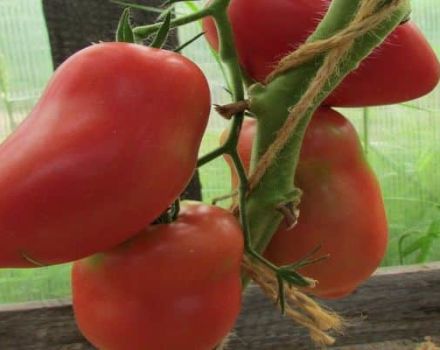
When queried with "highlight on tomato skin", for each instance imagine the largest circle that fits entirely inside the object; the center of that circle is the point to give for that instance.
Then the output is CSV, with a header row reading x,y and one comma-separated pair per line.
x,y
173,286
341,208
87,168
402,68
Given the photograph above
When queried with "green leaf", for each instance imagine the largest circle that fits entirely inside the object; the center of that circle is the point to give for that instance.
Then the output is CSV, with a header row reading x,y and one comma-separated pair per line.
x,y
411,248
124,33
423,245
162,33
425,250
426,246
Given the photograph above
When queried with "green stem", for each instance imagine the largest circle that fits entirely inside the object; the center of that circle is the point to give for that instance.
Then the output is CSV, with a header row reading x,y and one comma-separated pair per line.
x,y
272,102
229,57
249,247
142,32
211,156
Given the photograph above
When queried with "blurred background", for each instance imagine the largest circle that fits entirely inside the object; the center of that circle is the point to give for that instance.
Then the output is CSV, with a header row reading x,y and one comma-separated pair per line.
x,y
401,142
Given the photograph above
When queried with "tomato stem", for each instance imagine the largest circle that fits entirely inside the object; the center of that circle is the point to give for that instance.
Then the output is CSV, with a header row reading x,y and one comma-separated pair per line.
x,y
271,104
142,32
211,156
229,57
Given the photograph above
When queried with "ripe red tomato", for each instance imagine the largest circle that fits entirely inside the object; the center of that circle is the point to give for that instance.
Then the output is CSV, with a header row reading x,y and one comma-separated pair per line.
x,y
341,208
174,286
403,68
111,143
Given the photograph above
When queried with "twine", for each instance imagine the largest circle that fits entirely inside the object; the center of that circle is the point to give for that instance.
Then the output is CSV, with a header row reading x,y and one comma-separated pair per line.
x,y
299,307
428,345
337,46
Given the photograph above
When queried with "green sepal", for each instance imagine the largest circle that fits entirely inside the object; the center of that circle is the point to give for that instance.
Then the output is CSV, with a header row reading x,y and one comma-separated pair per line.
x,y
292,278
162,33
124,33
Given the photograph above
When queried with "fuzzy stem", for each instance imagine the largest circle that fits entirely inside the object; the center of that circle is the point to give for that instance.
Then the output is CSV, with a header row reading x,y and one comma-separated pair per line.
x,y
271,104
142,32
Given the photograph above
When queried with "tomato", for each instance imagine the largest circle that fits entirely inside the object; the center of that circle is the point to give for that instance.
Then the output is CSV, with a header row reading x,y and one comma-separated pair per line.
x,y
403,68
341,208
110,144
174,286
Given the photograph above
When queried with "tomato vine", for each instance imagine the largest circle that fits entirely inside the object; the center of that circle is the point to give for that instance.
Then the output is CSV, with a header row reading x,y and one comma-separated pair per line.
x,y
257,209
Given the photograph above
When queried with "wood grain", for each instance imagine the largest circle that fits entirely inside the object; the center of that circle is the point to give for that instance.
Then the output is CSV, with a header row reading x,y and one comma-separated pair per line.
x,y
395,305
396,309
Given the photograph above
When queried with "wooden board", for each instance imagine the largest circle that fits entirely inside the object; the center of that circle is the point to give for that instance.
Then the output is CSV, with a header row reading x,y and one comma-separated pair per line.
x,y
396,309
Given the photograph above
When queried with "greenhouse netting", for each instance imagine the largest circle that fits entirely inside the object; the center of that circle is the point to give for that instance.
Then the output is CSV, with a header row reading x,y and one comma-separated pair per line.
x,y
401,142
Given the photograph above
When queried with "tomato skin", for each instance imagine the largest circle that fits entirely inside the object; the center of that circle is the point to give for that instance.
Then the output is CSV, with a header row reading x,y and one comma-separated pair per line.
x,y
174,286
403,68
341,208
85,170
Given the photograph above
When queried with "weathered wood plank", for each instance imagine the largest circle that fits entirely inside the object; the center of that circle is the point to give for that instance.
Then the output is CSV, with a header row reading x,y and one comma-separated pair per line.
x,y
395,309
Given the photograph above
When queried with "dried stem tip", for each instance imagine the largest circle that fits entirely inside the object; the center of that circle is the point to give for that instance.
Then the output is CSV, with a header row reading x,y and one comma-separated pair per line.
x,y
231,109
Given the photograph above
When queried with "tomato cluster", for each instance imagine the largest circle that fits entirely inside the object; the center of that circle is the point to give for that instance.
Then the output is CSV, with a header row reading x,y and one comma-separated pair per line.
x,y
113,142
85,171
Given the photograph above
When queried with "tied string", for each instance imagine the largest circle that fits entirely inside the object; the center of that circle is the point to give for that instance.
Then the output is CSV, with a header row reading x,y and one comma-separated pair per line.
x,y
361,25
298,306
370,15
428,345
